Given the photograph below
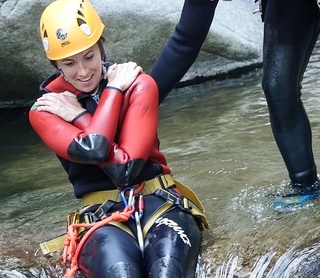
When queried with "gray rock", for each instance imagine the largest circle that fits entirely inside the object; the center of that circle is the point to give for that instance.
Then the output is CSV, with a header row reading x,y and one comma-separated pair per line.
x,y
135,30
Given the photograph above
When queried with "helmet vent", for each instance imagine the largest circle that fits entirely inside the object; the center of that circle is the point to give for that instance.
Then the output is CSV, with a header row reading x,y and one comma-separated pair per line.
x,y
82,6
84,27
80,13
80,21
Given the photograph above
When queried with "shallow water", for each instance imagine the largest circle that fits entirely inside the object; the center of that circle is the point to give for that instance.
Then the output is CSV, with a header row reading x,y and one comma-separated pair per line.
x,y
217,140
222,146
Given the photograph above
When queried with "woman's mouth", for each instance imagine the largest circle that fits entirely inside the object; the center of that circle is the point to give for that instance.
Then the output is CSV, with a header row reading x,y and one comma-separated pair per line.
x,y
85,79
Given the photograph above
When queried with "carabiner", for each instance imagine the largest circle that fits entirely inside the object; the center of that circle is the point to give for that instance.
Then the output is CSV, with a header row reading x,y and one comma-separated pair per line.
x,y
140,205
124,198
131,201
139,232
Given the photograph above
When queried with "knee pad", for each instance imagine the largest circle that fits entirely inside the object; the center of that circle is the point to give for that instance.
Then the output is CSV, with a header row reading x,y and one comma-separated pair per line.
x,y
165,267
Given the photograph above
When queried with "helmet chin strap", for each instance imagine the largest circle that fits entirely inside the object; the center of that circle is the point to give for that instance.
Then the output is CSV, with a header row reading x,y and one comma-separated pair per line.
x,y
64,77
105,66
104,70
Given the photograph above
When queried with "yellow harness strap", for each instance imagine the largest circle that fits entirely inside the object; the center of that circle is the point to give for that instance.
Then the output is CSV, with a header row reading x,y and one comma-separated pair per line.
x,y
57,243
162,182
197,210
187,192
184,202
188,196
122,227
53,245
155,216
99,197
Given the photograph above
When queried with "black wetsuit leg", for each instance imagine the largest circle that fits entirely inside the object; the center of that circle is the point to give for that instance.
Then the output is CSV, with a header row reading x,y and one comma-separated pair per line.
x,y
172,246
111,252
184,45
291,30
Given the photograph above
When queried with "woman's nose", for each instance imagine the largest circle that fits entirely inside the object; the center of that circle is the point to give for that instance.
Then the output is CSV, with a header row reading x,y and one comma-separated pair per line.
x,y
82,70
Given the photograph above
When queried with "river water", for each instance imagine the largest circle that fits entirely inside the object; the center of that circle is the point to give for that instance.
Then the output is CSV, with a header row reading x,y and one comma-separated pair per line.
x,y
217,140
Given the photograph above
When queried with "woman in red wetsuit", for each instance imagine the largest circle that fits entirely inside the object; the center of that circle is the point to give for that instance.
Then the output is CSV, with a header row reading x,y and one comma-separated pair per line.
x,y
101,121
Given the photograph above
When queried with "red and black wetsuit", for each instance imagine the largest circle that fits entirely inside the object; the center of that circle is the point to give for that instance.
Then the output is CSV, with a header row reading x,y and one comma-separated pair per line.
x,y
114,144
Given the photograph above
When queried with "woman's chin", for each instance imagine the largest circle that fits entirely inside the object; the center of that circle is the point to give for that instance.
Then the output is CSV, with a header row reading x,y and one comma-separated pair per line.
x,y
86,87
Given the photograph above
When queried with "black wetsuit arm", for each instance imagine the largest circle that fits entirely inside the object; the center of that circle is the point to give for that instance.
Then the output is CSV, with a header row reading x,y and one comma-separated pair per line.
x,y
184,45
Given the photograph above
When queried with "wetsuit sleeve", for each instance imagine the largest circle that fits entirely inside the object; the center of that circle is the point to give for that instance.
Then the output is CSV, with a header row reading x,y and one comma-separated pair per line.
x,y
137,134
183,47
89,144
82,120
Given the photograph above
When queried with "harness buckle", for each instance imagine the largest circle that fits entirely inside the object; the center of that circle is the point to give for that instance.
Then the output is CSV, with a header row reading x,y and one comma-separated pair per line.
x,y
73,218
89,217
168,196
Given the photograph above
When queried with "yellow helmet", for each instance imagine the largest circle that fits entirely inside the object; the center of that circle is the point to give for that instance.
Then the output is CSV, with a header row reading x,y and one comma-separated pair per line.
x,y
68,27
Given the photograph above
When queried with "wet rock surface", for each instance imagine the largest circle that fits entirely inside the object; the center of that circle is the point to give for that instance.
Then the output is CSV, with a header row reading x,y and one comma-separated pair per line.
x,y
233,43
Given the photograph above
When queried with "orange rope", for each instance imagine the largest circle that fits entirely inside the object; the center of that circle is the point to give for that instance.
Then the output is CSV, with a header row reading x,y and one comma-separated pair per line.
x,y
72,246
137,190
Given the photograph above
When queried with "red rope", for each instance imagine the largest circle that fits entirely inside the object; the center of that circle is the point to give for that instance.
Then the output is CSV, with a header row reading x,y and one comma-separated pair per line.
x,y
72,245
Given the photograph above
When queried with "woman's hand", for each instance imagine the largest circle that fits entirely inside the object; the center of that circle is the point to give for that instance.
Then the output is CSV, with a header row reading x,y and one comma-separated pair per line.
x,y
64,105
121,76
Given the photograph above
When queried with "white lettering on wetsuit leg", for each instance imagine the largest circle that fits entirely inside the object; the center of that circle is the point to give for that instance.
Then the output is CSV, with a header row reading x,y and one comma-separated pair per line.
x,y
175,227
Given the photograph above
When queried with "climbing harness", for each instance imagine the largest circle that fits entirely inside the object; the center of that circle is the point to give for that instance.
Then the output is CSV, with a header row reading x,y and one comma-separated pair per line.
x,y
105,200
96,213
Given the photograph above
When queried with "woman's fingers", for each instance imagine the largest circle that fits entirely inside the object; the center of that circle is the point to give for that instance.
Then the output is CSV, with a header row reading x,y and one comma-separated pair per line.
x,y
122,75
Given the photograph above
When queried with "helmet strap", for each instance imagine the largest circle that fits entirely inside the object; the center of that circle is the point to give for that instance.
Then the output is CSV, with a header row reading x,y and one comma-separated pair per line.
x,y
104,70
64,77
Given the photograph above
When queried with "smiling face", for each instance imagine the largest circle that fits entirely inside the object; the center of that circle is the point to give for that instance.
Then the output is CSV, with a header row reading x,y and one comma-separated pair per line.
x,y
83,70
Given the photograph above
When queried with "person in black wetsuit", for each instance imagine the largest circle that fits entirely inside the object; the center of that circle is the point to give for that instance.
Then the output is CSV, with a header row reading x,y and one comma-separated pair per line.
x,y
184,45
291,29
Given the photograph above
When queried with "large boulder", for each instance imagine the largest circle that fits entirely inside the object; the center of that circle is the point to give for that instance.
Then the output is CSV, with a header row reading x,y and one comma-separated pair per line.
x,y
135,30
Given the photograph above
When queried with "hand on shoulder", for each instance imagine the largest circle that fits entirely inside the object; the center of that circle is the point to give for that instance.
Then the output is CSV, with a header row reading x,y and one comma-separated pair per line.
x,y
65,105
121,76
